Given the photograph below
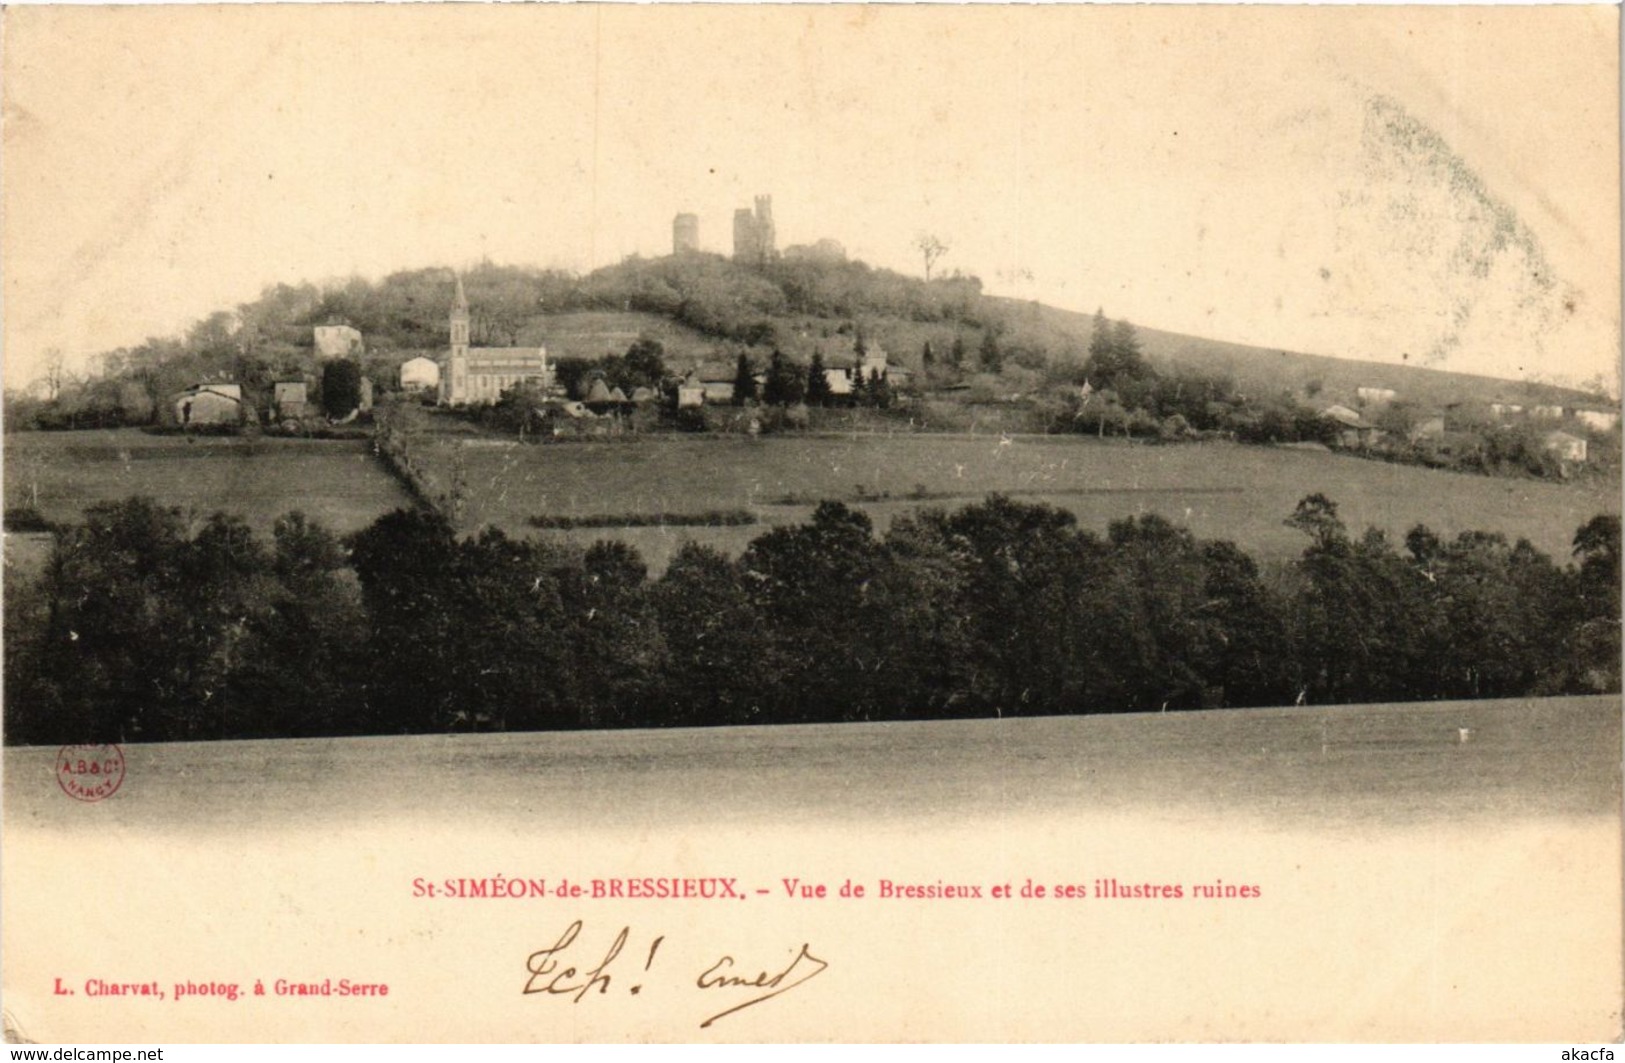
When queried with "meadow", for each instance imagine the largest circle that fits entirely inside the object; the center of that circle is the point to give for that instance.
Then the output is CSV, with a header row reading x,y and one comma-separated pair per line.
x,y
338,483
1217,490
1403,873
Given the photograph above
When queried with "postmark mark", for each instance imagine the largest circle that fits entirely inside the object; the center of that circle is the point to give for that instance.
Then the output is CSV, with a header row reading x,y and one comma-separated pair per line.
x,y
90,772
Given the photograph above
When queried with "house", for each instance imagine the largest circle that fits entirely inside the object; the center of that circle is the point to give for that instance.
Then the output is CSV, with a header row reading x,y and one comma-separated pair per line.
x,y
420,374
690,392
1427,428
1505,409
290,399
840,382
1565,447
1368,396
873,360
714,381
1598,420
718,390
1546,413
1352,429
482,374
206,404
338,341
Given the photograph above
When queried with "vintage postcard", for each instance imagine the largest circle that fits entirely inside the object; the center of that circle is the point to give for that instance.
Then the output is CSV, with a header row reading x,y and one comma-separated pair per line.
x,y
837,523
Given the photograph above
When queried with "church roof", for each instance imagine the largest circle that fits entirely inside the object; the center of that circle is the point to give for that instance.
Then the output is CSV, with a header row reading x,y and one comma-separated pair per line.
x,y
460,301
506,359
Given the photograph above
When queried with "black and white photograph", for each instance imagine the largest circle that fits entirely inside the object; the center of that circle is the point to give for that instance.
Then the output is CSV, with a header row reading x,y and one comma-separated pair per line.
x,y
811,523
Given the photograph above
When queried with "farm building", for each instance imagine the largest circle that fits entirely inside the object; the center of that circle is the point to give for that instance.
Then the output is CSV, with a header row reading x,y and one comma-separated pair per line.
x,y
1564,446
338,341
718,390
204,404
1546,413
840,382
1369,396
420,374
290,399
1598,420
482,374
1427,428
873,361
708,382
1353,430
1504,409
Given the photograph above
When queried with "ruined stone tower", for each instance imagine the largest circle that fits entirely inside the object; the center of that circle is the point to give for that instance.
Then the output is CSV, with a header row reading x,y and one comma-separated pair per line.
x,y
755,239
767,238
685,233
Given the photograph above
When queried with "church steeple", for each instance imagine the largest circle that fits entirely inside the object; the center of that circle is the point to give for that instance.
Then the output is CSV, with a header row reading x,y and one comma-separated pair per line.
x,y
454,382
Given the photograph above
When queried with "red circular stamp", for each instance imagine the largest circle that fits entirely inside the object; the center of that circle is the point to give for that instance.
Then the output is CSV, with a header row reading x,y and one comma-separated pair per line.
x,y
90,773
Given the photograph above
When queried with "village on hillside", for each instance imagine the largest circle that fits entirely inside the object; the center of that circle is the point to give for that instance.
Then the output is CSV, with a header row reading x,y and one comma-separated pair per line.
x,y
767,340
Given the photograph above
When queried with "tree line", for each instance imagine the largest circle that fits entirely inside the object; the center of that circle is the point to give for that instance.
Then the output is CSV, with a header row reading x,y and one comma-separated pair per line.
x,y
144,628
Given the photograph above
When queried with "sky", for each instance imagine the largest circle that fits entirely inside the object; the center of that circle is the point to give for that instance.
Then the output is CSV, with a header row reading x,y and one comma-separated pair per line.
x,y
1432,185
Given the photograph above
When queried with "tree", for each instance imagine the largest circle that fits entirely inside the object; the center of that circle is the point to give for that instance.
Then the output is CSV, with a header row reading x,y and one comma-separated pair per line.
x,y
744,381
616,653
931,249
1596,651
1115,360
879,392
111,651
644,364
55,376
1316,516
818,390
714,639
1156,595
956,353
785,383
214,337
1036,634
807,584
927,358
571,375
992,358
1126,344
1100,338
341,387
406,564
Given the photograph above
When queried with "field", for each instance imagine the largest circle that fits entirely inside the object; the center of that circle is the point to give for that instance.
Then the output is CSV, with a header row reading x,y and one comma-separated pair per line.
x,y
1216,490
1411,885
593,334
338,483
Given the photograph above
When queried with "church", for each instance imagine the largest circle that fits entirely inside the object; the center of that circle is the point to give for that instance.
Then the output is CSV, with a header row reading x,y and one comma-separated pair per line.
x,y
482,374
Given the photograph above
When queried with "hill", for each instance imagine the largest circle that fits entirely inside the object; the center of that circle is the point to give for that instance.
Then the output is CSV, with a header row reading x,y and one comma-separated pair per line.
x,y
1264,370
704,307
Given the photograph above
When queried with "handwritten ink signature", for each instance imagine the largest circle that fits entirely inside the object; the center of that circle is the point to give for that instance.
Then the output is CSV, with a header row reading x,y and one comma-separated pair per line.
x,y
550,973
